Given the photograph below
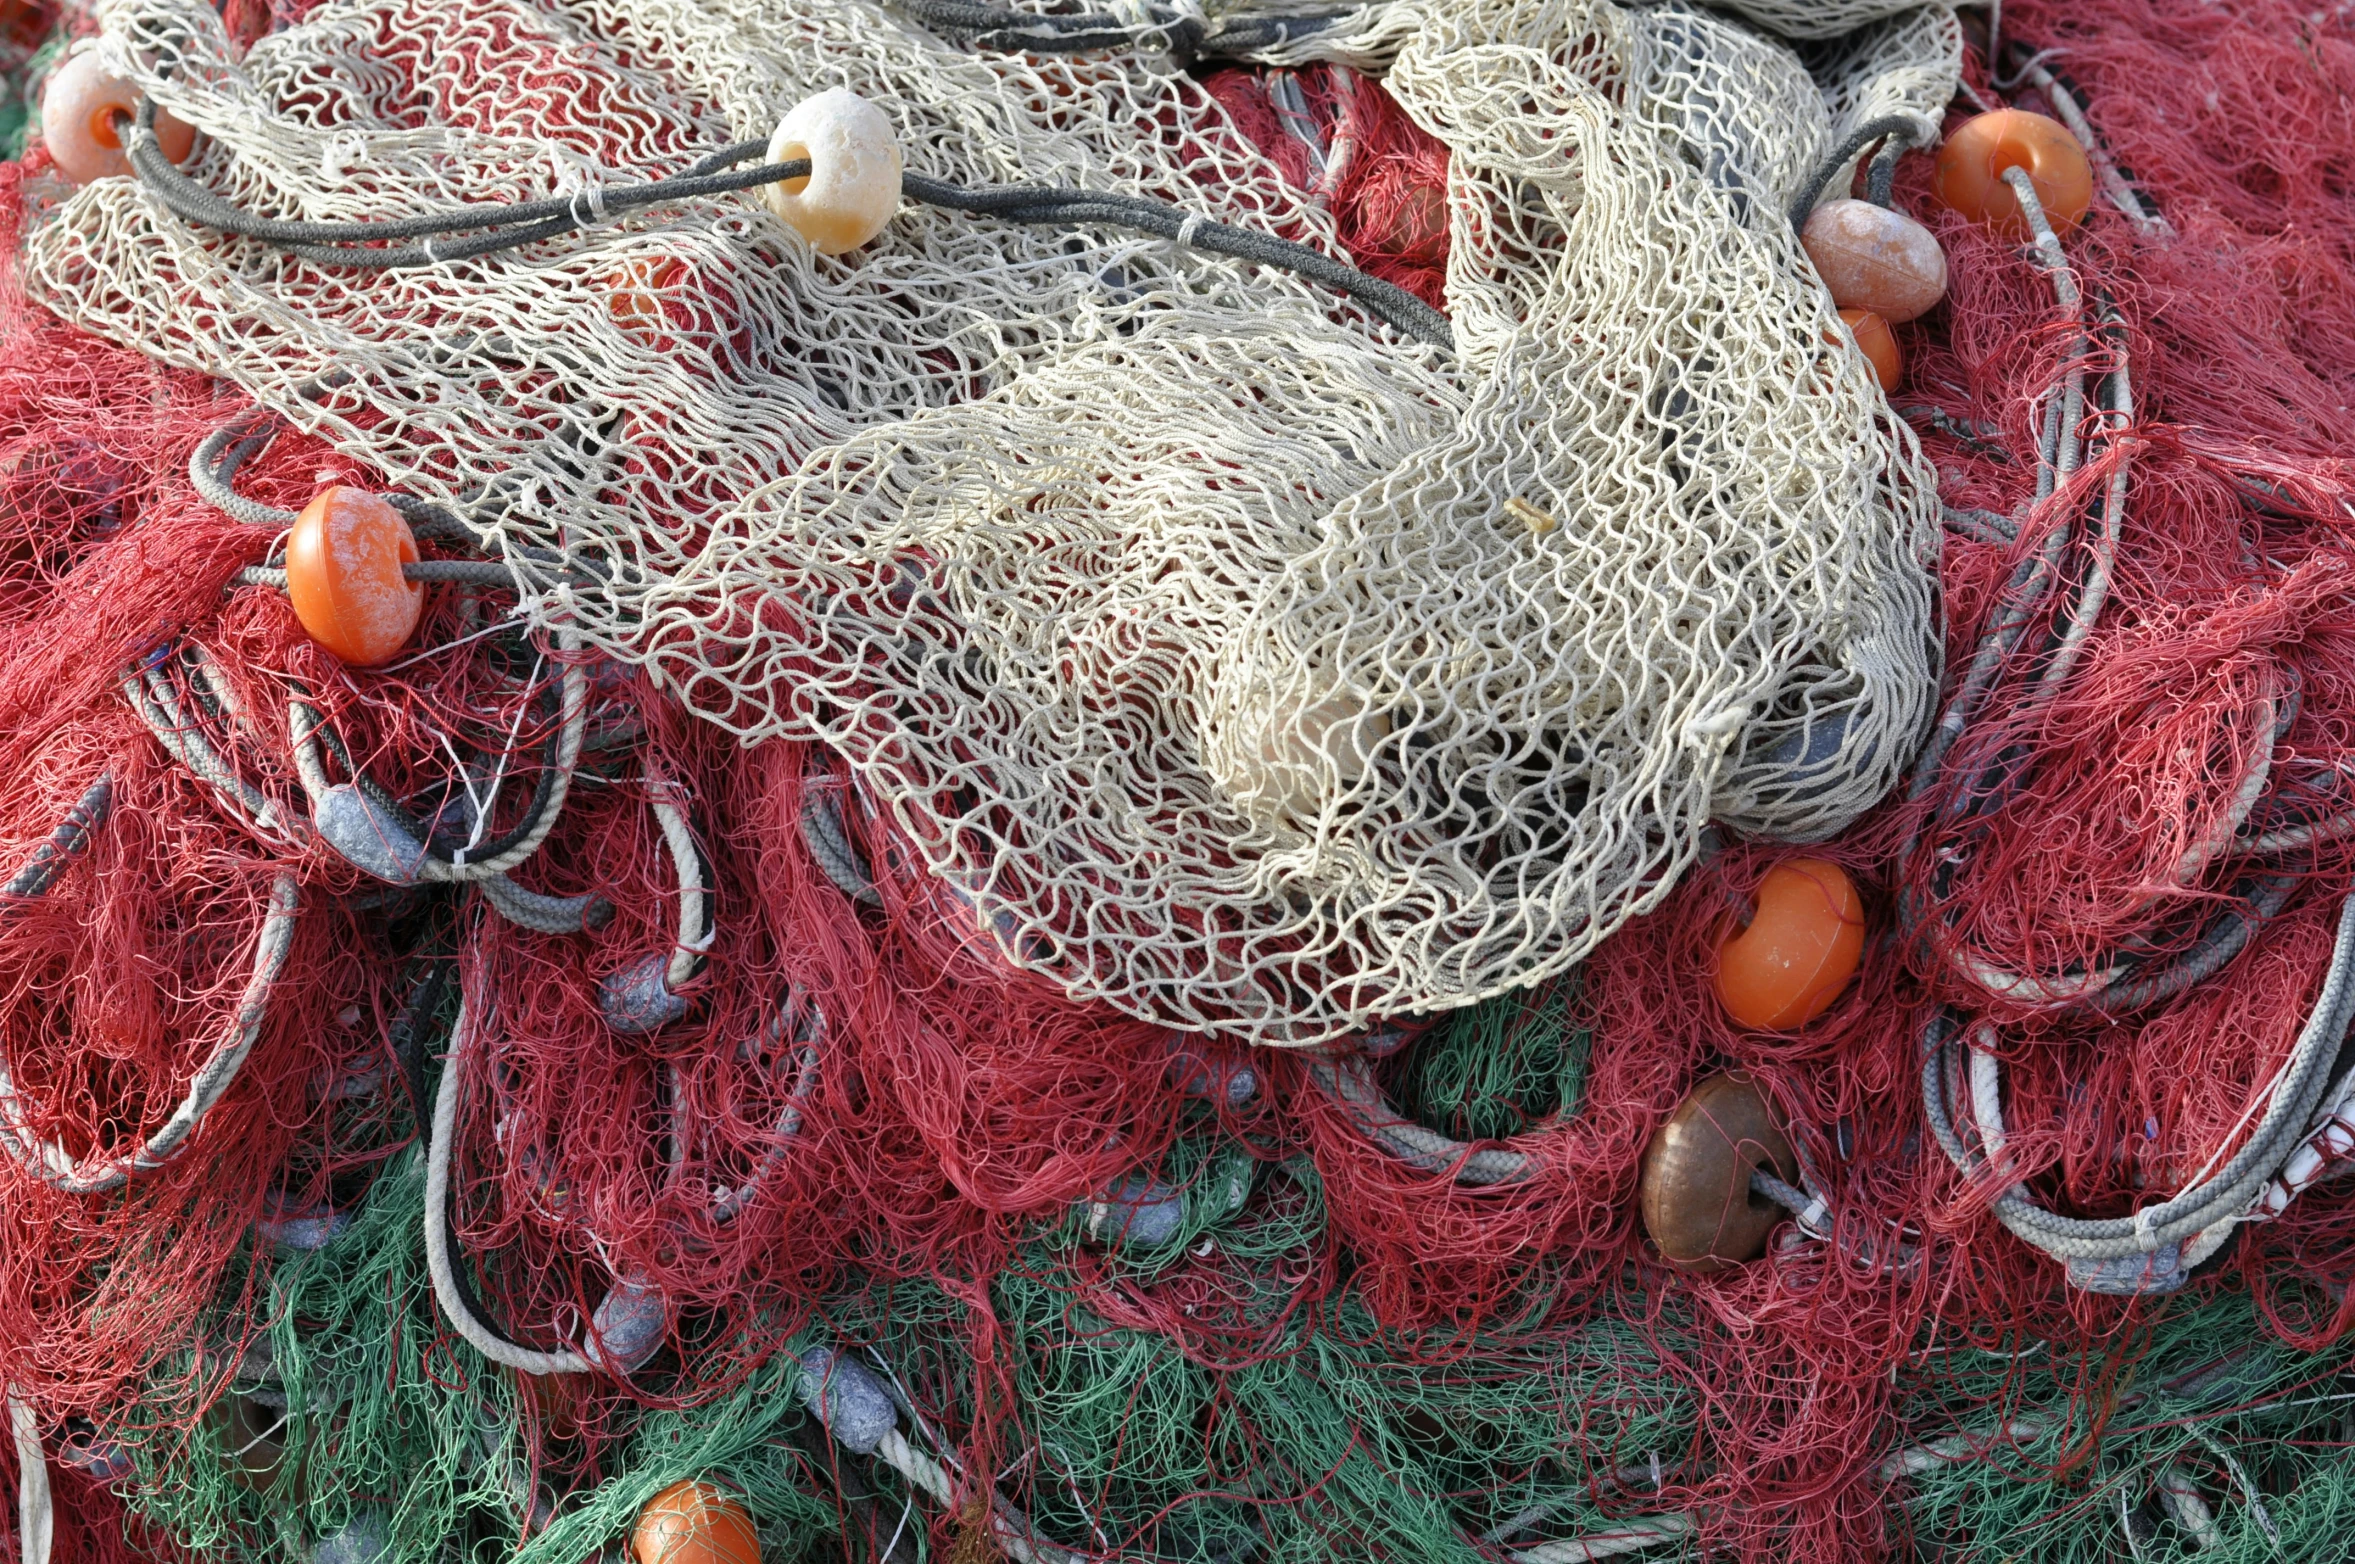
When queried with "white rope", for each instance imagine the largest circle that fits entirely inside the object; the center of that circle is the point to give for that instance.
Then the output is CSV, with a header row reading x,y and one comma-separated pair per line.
x,y
696,928
36,1517
477,1335
1629,1536
2202,1214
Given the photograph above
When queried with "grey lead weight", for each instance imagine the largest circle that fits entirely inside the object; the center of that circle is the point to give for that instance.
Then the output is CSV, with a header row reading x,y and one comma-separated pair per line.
x,y
352,823
629,1327
1139,1210
849,1400
301,1228
363,1540
637,998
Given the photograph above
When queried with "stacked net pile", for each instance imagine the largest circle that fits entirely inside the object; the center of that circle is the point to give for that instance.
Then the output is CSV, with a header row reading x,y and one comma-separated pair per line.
x,y
1176,614
1134,645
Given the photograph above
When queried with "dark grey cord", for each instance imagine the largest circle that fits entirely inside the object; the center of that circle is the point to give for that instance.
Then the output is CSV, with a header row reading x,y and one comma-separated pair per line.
x,y
543,791
66,844
1888,126
1880,185
512,226
714,175
1026,32
1796,1201
1039,204
2304,1081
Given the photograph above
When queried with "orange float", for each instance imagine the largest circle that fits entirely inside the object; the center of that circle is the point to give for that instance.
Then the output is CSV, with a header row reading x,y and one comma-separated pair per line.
x,y
694,1523
1798,951
1879,343
80,113
1969,176
1875,259
343,575
556,1398
253,1441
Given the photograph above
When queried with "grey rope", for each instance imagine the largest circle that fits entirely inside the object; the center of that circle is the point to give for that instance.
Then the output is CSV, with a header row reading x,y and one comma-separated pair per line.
x,y
212,468
1350,1083
158,707
455,1304
66,844
2228,1192
502,853
2135,204
36,1514
543,914
467,572
2128,984
1902,130
825,833
57,1168
1029,32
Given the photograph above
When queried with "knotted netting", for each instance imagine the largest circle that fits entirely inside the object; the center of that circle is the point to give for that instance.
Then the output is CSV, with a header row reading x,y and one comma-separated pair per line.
x,y
1249,666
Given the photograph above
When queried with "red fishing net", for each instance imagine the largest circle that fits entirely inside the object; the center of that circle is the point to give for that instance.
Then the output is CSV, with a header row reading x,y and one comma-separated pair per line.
x,y
771,1052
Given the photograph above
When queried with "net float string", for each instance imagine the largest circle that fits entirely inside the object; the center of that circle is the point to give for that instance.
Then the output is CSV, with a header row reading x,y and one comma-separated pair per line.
x,y
862,1414
338,244
1900,133
2155,1249
2129,983
2134,203
634,1318
361,819
213,468
1186,37
1296,758
98,1173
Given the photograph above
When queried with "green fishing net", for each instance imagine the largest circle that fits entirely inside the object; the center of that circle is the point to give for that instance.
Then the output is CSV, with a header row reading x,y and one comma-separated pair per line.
x,y
2195,1436
1222,1396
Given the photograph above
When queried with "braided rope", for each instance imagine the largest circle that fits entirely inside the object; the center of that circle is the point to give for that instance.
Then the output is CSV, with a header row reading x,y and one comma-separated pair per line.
x,y
56,1167
1350,1082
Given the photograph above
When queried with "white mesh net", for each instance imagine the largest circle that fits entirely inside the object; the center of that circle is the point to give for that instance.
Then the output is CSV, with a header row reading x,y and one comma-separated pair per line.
x,y
1248,666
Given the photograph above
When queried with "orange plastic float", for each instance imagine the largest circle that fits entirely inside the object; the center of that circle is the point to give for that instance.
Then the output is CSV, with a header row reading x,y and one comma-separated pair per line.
x,y
343,574
1880,346
253,1441
694,1523
1875,259
79,110
1799,950
1969,177
557,1400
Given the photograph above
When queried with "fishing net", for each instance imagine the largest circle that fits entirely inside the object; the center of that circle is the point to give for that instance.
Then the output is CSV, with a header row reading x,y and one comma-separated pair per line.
x,y
829,1119
1172,610
332,1398
174,1012
2213,1442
